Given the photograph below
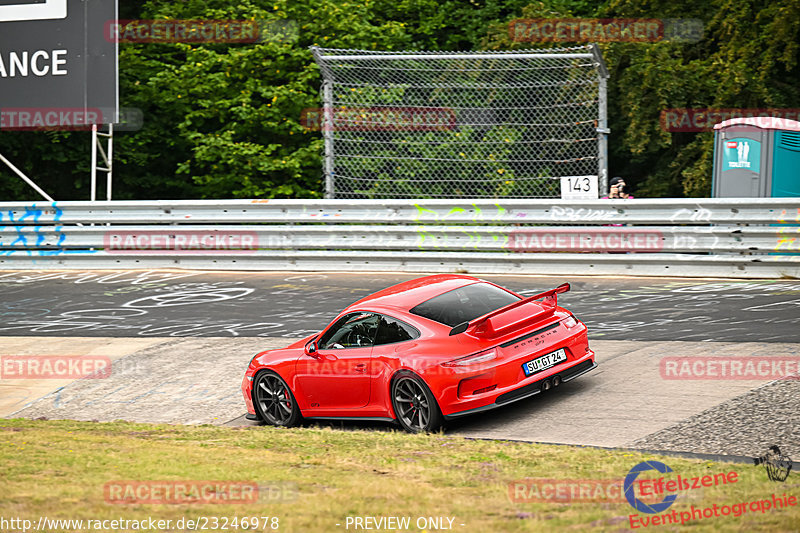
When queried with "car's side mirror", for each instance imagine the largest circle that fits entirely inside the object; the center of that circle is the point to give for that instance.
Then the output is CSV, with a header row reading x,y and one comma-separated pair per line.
x,y
311,348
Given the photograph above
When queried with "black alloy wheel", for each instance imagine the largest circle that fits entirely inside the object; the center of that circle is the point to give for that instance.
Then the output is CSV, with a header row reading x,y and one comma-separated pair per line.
x,y
414,405
274,401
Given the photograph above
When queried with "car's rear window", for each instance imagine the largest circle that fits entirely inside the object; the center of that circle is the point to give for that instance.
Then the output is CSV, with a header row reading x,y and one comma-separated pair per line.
x,y
464,304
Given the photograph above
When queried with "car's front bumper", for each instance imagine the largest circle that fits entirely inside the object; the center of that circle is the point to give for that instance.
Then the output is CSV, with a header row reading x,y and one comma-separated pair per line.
x,y
247,391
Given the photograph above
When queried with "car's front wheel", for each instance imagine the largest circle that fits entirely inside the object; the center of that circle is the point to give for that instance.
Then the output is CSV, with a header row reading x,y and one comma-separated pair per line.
x,y
414,405
274,400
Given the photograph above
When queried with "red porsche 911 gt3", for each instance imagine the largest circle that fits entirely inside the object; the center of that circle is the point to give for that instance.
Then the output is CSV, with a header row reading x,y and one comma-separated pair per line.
x,y
422,352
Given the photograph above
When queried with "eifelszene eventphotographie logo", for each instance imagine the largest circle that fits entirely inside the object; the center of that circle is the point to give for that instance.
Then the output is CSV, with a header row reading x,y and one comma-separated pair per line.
x,y
671,485
630,495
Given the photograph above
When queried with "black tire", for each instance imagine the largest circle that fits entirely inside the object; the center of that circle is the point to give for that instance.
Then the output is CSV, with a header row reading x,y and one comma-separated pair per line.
x,y
414,405
274,402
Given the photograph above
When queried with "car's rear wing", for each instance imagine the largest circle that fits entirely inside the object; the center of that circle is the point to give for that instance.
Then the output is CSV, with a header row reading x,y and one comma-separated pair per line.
x,y
550,300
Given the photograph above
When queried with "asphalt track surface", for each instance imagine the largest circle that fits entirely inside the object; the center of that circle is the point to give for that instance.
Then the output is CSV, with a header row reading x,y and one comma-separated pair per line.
x,y
180,341
241,304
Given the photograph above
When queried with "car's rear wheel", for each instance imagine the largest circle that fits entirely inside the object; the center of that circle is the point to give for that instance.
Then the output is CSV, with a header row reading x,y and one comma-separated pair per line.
x,y
414,405
274,400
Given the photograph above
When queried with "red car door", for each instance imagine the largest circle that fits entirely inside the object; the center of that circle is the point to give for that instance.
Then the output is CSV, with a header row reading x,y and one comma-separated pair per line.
x,y
337,375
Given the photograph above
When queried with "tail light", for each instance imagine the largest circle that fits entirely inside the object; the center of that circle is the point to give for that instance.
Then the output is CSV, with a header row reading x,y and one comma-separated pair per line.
x,y
474,359
570,322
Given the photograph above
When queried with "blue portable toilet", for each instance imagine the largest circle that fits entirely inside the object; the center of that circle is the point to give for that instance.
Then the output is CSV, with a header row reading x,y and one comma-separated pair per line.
x,y
756,157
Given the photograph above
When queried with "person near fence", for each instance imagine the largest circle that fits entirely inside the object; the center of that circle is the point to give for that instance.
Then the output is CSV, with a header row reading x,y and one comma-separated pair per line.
x,y
616,188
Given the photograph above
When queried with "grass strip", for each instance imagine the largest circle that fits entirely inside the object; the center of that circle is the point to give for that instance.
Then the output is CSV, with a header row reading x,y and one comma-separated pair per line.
x,y
319,476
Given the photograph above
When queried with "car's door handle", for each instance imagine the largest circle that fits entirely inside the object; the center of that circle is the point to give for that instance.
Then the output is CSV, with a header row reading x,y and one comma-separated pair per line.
x,y
361,367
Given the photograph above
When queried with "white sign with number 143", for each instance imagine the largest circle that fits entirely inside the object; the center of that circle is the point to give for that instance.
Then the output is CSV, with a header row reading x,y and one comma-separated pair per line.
x,y
579,187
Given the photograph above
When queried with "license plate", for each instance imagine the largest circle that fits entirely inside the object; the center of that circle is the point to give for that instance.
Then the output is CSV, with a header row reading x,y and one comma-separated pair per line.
x,y
544,362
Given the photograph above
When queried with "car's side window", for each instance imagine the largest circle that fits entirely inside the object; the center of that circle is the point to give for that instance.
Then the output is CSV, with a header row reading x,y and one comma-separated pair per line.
x,y
391,330
353,330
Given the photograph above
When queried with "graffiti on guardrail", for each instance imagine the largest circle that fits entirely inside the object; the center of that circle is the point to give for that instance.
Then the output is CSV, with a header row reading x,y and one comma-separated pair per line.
x,y
104,278
694,232
465,239
788,239
458,212
556,213
782,219
700,214
571,214
632,239
21,238
28,239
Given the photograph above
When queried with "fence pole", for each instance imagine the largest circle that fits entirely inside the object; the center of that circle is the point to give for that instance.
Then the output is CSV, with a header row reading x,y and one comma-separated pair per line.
x,y
327,132
602,132
602,122
93,177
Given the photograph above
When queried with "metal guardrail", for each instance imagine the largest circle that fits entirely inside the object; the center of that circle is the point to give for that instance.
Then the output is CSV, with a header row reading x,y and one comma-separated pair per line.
x,y
675,237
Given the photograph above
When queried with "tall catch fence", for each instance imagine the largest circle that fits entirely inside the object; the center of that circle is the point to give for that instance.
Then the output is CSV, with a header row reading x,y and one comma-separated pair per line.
x,y
448,125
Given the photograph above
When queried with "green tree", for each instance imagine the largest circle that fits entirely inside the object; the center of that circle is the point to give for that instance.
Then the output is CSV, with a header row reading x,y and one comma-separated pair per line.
x,y
746,59
224,120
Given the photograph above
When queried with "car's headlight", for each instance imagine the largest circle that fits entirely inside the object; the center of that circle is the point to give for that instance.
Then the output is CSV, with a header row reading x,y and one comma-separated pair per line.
x,y
474,359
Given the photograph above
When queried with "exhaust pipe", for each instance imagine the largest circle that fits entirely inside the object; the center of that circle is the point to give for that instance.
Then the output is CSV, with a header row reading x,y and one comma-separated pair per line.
x,y
557,381
546,385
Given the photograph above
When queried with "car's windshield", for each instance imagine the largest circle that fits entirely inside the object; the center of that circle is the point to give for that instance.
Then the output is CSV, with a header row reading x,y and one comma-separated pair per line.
x,y
464,304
